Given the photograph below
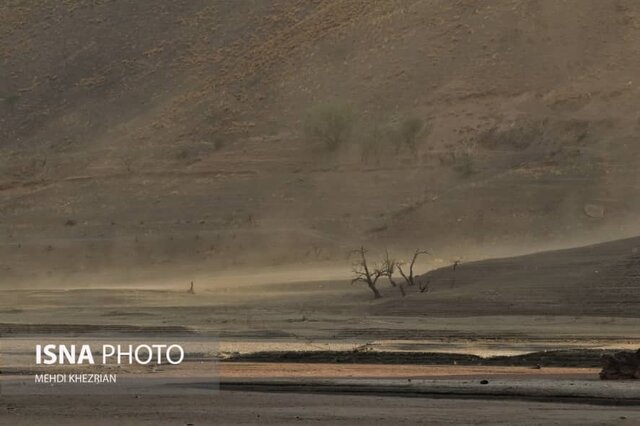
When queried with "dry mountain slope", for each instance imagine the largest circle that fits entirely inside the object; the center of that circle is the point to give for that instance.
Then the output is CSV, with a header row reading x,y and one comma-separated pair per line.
x,y
597,280
149,134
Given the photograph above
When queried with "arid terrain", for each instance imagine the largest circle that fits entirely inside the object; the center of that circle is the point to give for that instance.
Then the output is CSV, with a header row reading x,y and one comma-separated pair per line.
x,y
150,136
243,150
284,408
319,339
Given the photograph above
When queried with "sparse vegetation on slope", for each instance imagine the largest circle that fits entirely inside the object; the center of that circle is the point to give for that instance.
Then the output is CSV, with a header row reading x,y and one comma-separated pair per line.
x,y
329,125
492,125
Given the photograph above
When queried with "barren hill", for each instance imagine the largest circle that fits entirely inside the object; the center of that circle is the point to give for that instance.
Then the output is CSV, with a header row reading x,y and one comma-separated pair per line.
x,y
594,281
154,133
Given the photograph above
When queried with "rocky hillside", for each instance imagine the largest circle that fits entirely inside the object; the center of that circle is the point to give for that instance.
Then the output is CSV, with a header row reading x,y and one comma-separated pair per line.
x,y
161,133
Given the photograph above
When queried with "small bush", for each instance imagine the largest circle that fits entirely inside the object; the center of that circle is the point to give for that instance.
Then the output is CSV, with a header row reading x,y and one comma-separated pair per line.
x,y
329,125
463,163
217,144
409,130
374,144
11,100
183,154
461,158
519,136
384,142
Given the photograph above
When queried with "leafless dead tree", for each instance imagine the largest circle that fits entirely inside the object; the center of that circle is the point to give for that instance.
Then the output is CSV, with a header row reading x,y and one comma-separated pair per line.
x,y
389,267
363,273
455,264
423,284
410,279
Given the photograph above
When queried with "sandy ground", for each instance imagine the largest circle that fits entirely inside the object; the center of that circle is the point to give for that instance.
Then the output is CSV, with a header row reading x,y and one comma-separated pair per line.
x,y
322,315
248,408
351,395
228,370
245,318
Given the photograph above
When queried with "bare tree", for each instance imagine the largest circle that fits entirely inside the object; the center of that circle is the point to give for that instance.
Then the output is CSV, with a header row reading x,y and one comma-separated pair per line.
x,y
389,267
409,131
366,275
423,284
455,264
329,125
410,279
